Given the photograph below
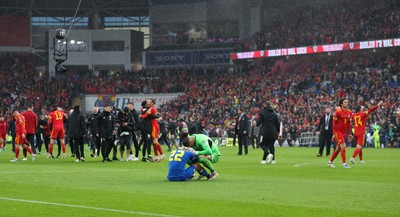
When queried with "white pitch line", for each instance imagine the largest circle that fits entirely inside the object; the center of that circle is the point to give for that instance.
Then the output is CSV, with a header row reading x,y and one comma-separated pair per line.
x,y
299,165
86,207
62,171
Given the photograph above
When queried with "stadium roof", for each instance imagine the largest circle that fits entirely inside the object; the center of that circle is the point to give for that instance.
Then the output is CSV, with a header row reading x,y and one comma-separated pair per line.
x,y
67,8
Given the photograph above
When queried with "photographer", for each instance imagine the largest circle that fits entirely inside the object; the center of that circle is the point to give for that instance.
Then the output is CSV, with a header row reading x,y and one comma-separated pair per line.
x,y
125,134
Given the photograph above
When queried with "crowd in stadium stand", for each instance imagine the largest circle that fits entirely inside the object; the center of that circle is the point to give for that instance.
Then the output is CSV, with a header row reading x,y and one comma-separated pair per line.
x,y
301,87
22,83
335,22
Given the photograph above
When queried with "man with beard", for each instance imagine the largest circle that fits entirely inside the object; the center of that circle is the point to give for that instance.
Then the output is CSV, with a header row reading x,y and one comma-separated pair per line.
x,y
155,131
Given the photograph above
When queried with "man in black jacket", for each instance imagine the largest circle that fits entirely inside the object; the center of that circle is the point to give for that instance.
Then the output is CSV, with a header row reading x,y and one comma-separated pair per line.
x,y
172,132
241,130
145,129
193,126
269,130
93,130
106,124
40,135
133,124
76,131
325,132
12,131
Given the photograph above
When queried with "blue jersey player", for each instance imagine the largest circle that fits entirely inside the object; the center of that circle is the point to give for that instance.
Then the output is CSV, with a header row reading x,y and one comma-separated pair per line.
x,y
177,170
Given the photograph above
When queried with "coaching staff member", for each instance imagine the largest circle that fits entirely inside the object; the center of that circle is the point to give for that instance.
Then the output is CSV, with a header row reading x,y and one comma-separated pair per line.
x,y
106,125
76,131
241,130
269,130
325,132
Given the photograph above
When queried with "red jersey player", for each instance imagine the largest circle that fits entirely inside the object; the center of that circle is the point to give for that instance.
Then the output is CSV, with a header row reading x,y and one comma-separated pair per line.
x,y
20,136
56,119
3,133
155,130
359,121
341,128
31,123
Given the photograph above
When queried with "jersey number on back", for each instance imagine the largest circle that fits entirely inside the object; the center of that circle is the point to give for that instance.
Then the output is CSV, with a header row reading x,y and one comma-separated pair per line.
x,y
357,121
176,155
59,116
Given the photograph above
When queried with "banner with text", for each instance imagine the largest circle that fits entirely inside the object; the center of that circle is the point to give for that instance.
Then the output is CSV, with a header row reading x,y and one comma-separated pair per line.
x,y
121,100
156,59
374,44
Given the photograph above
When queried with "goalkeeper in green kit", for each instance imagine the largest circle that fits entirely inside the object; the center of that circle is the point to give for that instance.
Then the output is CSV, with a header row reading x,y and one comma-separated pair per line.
x,y
206,150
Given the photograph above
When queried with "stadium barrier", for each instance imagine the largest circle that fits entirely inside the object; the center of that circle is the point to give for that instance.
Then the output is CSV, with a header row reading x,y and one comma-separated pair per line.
x,y
309,139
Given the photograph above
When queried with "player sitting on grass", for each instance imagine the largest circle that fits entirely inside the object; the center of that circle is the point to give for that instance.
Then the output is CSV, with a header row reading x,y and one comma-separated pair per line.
x,y
177,170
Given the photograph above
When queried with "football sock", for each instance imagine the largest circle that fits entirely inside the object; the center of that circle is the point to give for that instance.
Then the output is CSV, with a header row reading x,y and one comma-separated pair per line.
x,y
343,154
16,152
1,144
356,152
28,150
51,149
63,148
360,154
334,155
159,148
204,173
207,163
155,150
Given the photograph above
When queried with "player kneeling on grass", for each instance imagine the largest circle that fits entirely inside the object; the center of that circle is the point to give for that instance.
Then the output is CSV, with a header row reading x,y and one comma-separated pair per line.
x,y
177,170
206,150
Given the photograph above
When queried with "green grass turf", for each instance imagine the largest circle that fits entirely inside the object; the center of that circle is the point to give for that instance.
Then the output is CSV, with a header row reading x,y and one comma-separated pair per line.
x,y
300,184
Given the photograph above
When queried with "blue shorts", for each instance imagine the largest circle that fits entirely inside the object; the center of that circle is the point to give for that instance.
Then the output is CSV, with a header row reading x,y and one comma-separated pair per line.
x,y
189,172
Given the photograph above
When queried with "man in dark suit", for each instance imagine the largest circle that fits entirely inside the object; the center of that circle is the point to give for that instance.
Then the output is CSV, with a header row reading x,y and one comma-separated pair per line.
x,y
325,132
241,130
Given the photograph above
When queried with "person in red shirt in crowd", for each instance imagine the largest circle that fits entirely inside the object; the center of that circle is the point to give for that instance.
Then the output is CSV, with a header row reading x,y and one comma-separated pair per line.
x,y
359,121
341,128
31,123
155,130
3,132
56,120
20,138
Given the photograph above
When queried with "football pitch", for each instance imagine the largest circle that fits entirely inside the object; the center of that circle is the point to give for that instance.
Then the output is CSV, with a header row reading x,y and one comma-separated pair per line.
x,y
300,184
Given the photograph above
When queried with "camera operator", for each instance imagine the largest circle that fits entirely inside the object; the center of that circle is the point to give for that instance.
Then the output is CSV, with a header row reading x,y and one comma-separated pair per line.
x,y
116,112
125,134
